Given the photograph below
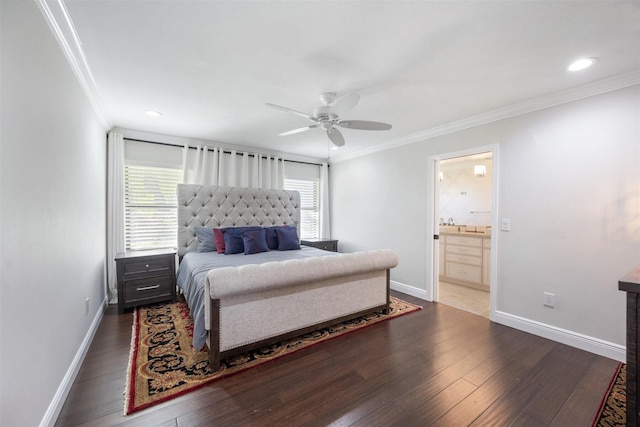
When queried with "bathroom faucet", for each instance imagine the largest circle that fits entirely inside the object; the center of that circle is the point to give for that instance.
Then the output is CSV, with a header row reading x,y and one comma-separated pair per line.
x,y
450,222
441,221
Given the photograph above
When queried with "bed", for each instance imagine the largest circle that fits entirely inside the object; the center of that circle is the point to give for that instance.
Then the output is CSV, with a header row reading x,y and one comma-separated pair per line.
x,y
241,302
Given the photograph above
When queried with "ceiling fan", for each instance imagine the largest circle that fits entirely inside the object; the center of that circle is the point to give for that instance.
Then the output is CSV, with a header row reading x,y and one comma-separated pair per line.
x,y
327,117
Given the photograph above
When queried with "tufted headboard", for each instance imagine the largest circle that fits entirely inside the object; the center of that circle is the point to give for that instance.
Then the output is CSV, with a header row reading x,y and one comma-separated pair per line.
x,y
213,206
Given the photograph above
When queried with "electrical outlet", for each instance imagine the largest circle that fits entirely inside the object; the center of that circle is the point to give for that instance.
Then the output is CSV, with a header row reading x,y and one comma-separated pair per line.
x,y
549,299
86,306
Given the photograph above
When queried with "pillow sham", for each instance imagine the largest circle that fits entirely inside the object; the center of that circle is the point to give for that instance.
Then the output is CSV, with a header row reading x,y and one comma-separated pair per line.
x,y
233,239
219,238
287,238
206,241
255,241
272,236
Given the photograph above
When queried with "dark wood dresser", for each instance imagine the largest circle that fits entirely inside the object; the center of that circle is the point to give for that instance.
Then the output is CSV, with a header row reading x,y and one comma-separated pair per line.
x,y
145,277
324,244
630,283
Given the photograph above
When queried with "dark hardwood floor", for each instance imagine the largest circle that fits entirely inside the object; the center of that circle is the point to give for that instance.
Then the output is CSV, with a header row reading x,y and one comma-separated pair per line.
x,y
438,366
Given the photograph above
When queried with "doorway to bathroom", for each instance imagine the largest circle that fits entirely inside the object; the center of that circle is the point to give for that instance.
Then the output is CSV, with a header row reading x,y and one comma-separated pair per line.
x,y
464,214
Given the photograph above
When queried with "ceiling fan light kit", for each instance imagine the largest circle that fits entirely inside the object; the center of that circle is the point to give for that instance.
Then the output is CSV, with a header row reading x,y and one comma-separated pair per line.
x,y
327,116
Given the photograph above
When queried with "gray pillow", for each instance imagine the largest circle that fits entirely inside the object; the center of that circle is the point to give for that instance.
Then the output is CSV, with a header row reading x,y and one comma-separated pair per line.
x,y
206,241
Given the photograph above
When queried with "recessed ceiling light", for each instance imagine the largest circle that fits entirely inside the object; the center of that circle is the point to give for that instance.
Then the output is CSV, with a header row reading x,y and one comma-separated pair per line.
x,y
335,147
581,64
151,113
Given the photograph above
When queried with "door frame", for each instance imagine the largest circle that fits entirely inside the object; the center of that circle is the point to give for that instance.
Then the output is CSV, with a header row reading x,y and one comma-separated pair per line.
x,y
433,208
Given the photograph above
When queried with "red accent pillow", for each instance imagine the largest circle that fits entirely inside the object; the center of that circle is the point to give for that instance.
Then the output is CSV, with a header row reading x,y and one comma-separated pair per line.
x,y
219,236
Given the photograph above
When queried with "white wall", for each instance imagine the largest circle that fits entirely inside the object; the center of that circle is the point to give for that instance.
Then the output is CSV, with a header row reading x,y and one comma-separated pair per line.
x,y
569,180
52,193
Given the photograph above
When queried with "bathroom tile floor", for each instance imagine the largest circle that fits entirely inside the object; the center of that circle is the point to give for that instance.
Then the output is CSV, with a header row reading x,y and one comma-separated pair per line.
x,y
464,298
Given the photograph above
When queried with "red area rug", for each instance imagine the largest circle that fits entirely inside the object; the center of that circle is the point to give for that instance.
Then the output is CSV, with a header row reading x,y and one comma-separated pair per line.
x,y
163,364
613,406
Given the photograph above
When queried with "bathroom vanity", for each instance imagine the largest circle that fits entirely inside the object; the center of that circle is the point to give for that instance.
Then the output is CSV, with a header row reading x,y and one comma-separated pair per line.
x,y
465,256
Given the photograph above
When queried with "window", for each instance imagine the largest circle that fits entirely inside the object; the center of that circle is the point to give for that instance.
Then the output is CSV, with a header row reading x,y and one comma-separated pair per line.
x,y
151,206
310,205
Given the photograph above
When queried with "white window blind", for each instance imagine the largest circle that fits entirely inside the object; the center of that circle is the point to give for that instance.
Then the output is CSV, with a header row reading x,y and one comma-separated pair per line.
x,y
150,207
310,205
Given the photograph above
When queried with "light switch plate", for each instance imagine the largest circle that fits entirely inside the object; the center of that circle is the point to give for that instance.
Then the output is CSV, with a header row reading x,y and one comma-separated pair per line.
x,y
505,225
549,299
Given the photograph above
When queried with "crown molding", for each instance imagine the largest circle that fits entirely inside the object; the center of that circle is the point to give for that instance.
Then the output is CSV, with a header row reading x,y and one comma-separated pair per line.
x,y
57,16
591,89
64,31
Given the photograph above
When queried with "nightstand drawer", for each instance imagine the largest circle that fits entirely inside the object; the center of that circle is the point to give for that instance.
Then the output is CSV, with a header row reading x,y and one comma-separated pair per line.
x,y
324,244
148,288
156,264
327,246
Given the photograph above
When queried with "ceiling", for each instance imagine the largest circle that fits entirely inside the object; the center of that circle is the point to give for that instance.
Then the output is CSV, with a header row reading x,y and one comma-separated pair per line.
x,y
210,66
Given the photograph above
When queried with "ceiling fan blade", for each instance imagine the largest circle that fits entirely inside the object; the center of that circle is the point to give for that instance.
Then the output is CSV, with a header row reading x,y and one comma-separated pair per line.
x,y
289,110
336,137
345,104
294,131
364,125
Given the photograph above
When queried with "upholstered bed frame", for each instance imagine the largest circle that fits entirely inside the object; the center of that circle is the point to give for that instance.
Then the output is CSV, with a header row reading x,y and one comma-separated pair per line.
x,y
213,206
258,304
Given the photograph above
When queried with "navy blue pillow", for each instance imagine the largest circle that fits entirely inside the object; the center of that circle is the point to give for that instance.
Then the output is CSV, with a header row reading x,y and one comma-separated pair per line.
x,y
272,236
206,241
287,238
233,239
255,241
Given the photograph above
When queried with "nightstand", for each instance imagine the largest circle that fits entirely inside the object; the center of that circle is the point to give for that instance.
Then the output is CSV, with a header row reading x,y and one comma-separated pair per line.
x,y
145,277
325,244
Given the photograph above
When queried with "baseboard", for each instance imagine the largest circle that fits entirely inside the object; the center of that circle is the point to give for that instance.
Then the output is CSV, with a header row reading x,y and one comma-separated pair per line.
x,y
59,398
573,339
410,290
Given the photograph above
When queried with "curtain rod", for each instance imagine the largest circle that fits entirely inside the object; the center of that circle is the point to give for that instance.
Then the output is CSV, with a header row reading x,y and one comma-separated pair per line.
x,y
223,151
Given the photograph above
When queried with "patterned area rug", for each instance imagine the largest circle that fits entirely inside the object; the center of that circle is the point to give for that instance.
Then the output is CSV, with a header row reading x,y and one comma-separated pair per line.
x,y
163,364
612,409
